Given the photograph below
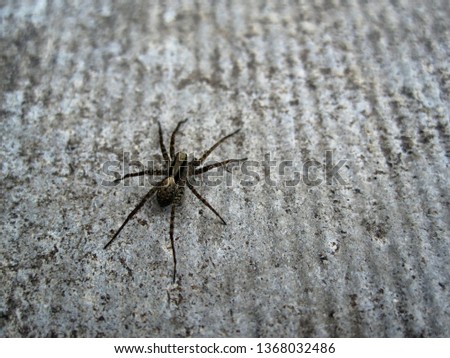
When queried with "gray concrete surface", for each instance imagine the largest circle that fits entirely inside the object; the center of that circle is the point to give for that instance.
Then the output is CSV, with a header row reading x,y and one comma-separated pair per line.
x,y
368,81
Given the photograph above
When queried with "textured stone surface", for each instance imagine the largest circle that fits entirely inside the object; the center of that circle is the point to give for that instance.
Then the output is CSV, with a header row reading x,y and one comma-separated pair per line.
x,y
367,80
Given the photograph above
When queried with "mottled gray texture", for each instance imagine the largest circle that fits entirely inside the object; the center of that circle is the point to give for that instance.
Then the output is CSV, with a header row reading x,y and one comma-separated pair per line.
x,y
366,80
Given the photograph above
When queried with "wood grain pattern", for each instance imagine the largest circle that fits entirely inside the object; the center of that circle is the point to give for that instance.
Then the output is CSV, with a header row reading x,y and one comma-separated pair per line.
x,y
365,81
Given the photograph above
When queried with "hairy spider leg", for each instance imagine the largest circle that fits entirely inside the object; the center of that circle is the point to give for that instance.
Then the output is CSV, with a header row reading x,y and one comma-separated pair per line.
x,y
172,241
176,201
172,138
135,210
204,201
151,193
209,151
163,147
148,171
206,168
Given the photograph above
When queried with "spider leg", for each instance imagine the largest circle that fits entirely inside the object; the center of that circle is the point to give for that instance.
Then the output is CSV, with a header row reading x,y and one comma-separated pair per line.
x,y
203,200
135,210
172,241
149,172
172,138
161,144
216,165
209,151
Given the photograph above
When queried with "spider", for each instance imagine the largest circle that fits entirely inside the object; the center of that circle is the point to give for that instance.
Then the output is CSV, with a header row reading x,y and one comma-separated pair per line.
x,y
170,190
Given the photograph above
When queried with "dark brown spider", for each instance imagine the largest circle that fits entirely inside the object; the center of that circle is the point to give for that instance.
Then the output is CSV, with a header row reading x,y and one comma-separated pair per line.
x,y
170,190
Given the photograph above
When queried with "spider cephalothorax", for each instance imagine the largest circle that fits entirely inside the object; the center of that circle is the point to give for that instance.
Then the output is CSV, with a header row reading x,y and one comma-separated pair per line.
x,y
170,190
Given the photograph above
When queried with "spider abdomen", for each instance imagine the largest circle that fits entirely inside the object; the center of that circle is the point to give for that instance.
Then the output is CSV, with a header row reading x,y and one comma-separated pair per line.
x,y
166,193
